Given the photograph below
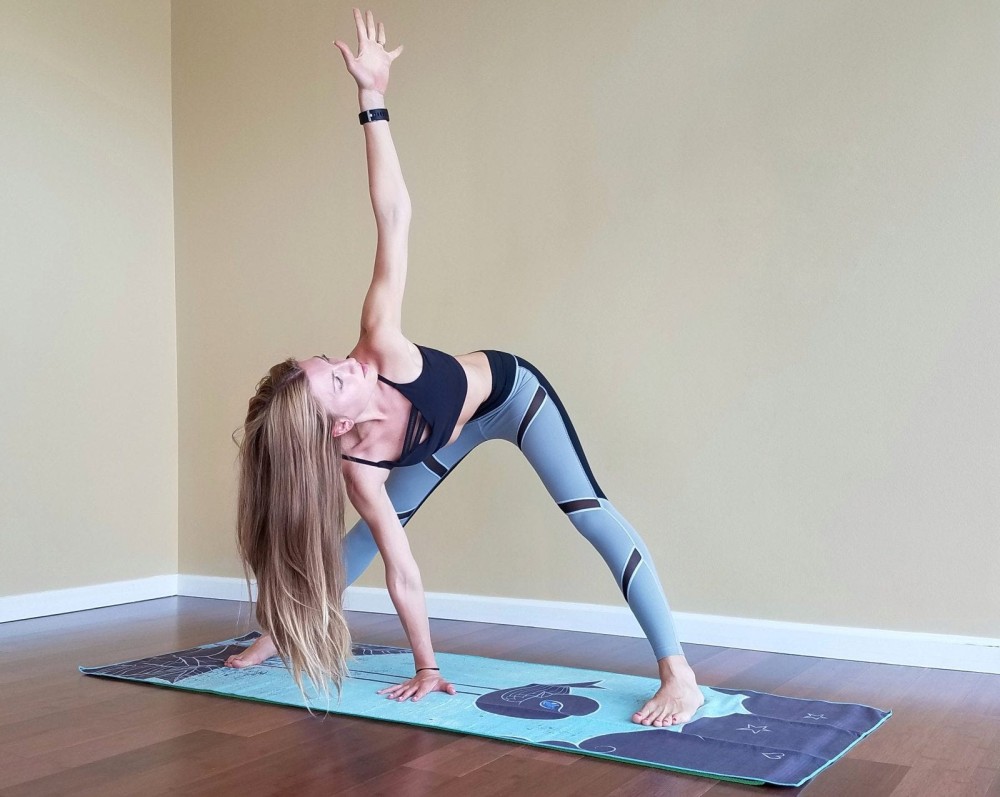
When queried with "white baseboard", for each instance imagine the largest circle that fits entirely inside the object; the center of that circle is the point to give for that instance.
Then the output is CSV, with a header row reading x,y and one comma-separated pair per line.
x,y
229,589
915,649
75,599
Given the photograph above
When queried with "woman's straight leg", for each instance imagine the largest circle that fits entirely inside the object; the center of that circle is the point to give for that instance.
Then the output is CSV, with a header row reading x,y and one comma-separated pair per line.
x,y
534,419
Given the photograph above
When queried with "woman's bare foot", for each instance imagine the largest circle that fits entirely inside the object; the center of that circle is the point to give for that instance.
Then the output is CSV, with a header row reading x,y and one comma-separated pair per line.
x,y
262,649
677,700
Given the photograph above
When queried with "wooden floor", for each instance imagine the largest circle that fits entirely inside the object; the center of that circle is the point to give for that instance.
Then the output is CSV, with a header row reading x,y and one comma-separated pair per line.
x,y
64,733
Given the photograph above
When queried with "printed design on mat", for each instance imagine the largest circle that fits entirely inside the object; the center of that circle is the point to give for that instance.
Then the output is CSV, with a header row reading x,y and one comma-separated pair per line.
x,y
180,665
529,701
177,666
376,650
789,724
697,750
540,701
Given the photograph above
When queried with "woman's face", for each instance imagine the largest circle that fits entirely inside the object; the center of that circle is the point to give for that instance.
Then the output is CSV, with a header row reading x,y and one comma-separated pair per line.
x,y
344,387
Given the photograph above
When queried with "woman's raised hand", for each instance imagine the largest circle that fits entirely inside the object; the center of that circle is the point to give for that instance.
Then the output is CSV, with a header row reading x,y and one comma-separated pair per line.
x,y
370,68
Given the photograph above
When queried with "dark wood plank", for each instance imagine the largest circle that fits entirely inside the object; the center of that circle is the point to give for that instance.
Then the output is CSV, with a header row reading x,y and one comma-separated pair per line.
x,y
851,775
648,782
317,756
142,770
460,756
993,790
402,781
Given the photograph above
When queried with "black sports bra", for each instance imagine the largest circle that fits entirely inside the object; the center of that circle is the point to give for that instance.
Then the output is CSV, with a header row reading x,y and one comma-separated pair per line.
x,y
436,398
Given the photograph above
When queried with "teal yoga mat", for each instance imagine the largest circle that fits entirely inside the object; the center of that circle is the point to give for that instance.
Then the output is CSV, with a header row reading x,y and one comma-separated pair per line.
x,y
738,735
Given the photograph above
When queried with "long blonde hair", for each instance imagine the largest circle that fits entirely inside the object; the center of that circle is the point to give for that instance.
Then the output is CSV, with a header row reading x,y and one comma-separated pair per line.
x,y
290,526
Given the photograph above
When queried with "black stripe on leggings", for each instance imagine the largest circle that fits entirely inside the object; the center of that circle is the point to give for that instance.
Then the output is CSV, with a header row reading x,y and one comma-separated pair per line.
x,y
569,426
633,563
405,516
533,408
436,467
581,503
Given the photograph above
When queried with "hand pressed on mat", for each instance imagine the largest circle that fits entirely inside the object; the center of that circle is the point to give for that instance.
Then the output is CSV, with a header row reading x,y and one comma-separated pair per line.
x,y
419,685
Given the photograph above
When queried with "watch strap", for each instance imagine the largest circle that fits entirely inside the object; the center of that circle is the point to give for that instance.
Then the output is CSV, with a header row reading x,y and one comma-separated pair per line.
x,y
373,115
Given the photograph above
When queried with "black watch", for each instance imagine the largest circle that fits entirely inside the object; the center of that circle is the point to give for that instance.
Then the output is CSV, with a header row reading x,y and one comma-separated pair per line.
x,y
373,115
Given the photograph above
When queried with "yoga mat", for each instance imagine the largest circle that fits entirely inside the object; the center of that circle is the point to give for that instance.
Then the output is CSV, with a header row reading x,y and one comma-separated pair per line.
x,y
738,735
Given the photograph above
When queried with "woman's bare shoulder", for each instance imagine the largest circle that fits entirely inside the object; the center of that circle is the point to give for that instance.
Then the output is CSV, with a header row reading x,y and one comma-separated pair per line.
x,y
392,354
363,482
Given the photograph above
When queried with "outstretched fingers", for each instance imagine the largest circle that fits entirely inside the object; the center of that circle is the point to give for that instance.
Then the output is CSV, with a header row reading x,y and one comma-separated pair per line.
x,y
366,27
369,31
359,23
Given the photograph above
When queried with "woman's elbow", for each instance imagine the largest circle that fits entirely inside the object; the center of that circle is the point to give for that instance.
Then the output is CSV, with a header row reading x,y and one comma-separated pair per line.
x,y
396,215
403,576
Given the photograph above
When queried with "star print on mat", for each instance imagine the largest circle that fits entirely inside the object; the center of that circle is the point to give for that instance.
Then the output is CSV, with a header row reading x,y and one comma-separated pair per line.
x,y
755,728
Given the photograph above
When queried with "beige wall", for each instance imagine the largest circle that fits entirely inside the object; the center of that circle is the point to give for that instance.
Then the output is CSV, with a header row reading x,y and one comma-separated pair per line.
x,y
88,429
753,245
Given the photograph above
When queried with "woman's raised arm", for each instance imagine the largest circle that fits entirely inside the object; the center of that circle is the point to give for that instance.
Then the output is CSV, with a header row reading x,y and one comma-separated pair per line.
x,y
383,307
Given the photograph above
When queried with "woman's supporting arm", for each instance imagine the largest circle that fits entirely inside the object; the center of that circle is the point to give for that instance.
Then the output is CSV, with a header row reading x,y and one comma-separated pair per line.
x,y
407,594
367,493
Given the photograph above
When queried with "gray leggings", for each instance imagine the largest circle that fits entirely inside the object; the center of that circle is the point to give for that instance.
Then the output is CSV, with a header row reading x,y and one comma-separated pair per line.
x,y
533,418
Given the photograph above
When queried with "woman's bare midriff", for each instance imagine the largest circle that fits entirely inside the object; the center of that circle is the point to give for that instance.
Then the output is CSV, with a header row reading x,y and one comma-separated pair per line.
x,y
480,378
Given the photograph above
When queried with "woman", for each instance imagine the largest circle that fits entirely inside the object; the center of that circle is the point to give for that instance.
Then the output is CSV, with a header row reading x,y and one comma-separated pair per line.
x,y
386,425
